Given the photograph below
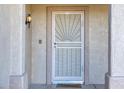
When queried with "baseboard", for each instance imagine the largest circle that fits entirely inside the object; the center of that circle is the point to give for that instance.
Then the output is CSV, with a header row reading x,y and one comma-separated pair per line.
x,y
18,81
114,82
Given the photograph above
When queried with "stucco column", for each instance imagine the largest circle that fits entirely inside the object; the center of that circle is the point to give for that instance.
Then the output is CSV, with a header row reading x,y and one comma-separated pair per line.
x,y
18,75
115,75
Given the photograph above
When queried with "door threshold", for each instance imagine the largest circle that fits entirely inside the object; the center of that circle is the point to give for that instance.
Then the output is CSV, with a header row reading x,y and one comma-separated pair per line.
x,y
67,82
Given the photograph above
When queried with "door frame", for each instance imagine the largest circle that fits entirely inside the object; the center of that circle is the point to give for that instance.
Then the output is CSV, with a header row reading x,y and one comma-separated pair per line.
x,y
50,9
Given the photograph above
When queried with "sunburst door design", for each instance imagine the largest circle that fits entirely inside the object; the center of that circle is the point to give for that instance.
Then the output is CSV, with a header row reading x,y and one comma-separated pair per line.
x,y
68,27
68,46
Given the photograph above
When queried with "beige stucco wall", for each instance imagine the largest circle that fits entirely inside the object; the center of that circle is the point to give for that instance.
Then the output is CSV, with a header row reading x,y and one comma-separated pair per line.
x,y
28,50
4,45
115,75
38,50
98,43
12,48
17,70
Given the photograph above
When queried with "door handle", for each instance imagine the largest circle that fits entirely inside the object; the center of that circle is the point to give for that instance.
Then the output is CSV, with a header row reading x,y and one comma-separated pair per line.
x,y
55,45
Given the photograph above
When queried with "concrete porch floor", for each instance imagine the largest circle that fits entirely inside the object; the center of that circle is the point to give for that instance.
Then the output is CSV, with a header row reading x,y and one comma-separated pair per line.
x,y
65,86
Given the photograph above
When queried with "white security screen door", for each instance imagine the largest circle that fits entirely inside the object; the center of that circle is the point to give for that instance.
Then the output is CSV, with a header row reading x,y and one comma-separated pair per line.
x,y
67,47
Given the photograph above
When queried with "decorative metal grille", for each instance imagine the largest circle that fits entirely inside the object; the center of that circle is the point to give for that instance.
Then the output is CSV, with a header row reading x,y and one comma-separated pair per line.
x,y
68,27
68,62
